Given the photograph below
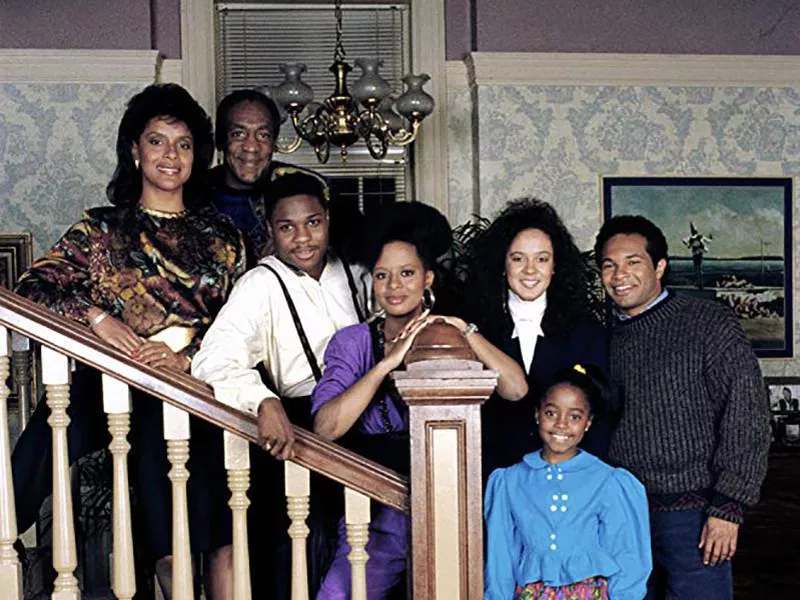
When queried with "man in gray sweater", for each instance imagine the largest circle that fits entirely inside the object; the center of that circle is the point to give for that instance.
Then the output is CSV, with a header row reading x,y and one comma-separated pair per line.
x,y
693,418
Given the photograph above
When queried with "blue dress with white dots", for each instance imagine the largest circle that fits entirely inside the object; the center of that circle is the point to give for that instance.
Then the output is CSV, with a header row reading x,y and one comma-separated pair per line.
x,y
564,523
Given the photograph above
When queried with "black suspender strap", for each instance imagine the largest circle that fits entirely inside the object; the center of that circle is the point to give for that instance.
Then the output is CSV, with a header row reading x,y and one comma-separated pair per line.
x,y
353,292
312,360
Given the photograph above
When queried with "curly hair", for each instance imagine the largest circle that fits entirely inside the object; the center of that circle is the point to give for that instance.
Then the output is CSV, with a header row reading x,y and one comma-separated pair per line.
x,y
487,288
414,223
172,103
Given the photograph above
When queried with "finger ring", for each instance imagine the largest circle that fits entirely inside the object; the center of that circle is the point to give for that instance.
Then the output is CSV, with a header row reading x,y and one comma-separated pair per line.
x,y
267,446
163,355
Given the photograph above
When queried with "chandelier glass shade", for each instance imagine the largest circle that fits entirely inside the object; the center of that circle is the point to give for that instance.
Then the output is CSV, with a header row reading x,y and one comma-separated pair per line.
x,y
369,112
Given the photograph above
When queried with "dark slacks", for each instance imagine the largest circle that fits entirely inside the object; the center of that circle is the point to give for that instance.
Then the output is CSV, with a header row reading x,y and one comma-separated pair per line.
x,y
678,562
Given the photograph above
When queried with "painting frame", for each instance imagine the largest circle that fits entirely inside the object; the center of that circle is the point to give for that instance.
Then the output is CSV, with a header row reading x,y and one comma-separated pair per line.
x,y
751,272
784,413
16,255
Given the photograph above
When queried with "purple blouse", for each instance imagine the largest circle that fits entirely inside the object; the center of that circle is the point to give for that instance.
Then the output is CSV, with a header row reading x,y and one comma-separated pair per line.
x,y
348,358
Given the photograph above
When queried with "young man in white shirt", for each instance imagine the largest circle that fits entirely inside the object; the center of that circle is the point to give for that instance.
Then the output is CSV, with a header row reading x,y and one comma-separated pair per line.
x,y
256,326
303,290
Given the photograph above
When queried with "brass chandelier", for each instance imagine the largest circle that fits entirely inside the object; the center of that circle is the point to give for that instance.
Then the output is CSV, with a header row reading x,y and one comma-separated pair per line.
x,y
344,118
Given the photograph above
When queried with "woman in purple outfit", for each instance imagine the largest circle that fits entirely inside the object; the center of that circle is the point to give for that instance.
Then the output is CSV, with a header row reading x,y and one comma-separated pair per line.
x,y
356,399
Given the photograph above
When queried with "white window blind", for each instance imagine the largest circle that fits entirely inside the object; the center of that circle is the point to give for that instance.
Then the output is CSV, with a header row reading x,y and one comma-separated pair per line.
x,y
253,39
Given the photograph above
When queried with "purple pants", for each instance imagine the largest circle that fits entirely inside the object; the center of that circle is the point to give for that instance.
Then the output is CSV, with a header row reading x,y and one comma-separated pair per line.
x,y
388,535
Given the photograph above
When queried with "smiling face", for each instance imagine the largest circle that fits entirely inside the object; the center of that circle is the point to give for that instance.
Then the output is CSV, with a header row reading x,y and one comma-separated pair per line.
x,y
530,264
399,278
563,416
629,276
249,146
299,226
165,152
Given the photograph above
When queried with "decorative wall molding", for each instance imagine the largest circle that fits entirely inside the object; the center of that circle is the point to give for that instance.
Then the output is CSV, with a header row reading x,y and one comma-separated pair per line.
x,y
171,71
197,51
430,149
530,69
457,76
78,66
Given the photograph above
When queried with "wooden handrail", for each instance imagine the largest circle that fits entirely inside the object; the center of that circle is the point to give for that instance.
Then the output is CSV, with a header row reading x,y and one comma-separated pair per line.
x,y
192,395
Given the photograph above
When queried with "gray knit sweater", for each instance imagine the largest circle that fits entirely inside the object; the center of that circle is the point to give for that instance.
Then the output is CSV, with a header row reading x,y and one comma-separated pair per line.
x,y
694,415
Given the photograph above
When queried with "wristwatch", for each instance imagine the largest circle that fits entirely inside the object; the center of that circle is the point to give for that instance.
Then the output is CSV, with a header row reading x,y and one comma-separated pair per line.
x,y
469,329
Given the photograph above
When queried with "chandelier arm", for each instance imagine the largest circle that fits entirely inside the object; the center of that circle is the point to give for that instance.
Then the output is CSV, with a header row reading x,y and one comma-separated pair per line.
x,y
404,137
379,152
307,129
294,144
370,121
323,151
373,129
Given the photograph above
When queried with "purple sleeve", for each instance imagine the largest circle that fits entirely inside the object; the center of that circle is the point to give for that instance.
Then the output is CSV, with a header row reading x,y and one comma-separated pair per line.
x,y
347,359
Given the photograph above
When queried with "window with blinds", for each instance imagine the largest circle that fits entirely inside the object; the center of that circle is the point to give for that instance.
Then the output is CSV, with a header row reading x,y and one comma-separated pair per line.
x,y
252,39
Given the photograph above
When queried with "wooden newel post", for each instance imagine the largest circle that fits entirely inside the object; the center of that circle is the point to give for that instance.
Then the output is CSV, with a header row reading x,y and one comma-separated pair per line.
x,y
444,386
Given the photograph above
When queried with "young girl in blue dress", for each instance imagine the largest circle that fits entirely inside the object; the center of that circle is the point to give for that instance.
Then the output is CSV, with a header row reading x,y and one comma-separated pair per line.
x,y
562,524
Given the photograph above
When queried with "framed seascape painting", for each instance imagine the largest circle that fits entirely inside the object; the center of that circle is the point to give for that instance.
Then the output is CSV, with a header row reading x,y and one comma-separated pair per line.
x,y
784,406
729,238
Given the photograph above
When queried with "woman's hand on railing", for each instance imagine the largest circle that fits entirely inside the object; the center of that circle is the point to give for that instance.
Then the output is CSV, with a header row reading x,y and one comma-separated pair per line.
x,y
113,331
275,431
158,354
401,344
513,384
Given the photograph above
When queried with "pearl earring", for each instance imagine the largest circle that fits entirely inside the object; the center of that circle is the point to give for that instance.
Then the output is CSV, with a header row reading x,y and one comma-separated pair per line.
x,y
136,163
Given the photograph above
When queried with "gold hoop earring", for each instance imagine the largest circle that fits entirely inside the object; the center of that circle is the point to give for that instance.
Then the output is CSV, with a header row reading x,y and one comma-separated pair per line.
x,y
428,299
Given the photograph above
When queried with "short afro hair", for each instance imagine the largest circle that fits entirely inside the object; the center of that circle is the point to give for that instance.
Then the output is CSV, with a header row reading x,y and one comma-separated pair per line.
x,y
632,225
234,99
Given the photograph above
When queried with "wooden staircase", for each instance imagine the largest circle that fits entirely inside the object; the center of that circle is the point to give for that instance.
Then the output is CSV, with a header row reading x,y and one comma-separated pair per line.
x,y
444,396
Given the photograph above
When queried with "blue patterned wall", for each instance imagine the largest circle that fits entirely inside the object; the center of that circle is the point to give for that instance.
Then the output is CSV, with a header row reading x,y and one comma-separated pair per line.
x,y
555,142
56,153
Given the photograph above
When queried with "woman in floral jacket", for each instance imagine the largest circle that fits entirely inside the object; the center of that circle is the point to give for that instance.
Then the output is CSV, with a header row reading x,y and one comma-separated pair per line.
x,y
147,275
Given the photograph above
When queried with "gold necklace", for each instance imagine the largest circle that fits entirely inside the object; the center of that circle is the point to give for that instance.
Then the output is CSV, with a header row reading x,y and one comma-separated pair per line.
x,y
161,213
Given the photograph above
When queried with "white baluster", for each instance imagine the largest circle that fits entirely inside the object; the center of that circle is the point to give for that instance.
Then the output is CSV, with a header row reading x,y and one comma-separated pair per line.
x,y
298,491
117,405
176,432
10,570
356,517
237,463
55,375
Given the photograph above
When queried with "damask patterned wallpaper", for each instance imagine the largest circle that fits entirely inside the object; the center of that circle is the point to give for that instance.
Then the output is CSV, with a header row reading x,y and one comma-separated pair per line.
x,y
460,168
555,142
56,153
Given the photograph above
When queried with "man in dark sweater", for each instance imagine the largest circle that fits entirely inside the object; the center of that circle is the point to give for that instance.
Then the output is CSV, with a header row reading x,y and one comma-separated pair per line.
x,y
694,421
247,125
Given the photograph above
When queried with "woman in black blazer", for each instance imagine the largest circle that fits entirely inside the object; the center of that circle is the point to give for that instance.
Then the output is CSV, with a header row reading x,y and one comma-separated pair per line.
x,y
529,295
